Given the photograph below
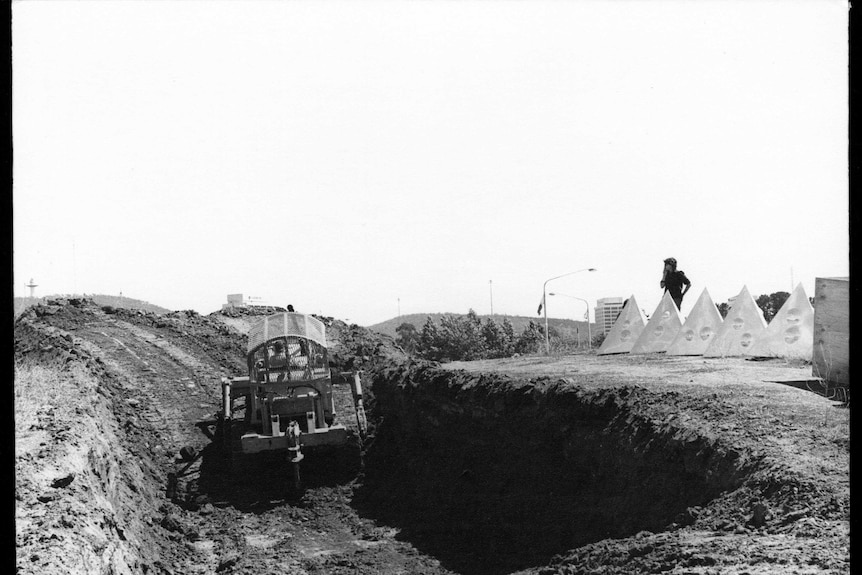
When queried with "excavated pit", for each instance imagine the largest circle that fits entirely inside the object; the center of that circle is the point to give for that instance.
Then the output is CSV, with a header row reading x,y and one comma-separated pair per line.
x,y
491,474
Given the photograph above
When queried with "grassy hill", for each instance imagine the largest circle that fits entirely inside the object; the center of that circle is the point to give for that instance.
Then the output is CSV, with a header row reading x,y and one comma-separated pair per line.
x,y
22,303
566,327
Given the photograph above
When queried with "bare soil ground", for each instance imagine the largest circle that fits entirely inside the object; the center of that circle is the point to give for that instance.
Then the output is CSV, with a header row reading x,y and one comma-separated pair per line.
x,y
105,398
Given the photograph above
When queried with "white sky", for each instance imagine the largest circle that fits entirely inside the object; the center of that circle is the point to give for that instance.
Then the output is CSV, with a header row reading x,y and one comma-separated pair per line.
x,y
357,158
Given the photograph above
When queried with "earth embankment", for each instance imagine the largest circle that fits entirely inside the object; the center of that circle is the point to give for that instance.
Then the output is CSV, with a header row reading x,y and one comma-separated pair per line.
x,y
89,460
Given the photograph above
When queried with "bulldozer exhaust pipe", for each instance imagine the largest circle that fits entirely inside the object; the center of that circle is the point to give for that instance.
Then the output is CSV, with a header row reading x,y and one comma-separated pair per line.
x,y
294,449
294,453
225,397
361,421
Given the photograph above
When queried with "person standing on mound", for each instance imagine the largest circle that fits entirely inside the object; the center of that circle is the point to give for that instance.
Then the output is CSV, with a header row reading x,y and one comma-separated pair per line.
x,y
674,281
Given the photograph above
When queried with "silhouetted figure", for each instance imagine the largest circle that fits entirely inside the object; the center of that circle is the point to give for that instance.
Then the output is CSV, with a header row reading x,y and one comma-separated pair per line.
x,y
290,307
674,281
277,357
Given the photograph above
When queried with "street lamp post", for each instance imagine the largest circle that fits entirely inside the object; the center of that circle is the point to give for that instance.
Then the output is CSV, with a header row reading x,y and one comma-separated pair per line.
x,y
586,316
545,303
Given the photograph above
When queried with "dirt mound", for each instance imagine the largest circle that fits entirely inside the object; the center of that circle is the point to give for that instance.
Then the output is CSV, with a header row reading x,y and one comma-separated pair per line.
x,y
22,303
88,462
356,347
241,318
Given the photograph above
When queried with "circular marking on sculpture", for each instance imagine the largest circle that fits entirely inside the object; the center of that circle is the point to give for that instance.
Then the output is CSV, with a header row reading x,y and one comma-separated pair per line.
x,y
745,340
627,323
659,329
793,316
792,334
665,316
689,334
625,335
738,323
705,332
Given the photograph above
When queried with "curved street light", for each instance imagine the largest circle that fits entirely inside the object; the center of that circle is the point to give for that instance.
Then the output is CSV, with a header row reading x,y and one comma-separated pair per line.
x,y
586,316
545,303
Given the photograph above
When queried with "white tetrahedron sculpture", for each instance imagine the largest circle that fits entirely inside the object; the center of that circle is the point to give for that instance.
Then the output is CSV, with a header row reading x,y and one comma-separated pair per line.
x,y
699,328
790,334
742,329
661,329
624,332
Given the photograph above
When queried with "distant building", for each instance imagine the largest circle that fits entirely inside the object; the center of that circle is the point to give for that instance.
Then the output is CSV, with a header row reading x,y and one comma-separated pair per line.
x,y
234,300
607,309
239,300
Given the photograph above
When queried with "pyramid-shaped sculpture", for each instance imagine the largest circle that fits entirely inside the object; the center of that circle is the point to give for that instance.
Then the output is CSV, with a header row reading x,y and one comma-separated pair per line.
x,y
625,331
661,329
790,334
742,330
699,329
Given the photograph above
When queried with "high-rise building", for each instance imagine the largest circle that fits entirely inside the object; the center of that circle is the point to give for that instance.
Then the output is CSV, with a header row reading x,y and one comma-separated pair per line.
x,y
607,309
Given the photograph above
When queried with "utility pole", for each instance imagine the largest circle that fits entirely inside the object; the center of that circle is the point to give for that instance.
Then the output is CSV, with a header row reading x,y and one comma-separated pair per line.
x,y
545,304
491,290
586,317
74,270
399,307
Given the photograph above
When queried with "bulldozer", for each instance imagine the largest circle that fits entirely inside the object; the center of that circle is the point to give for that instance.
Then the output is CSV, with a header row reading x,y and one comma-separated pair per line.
x,y
285,403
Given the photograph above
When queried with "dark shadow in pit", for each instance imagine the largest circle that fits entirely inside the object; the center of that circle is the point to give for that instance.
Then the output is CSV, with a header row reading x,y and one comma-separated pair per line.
x,y
262,481
482,503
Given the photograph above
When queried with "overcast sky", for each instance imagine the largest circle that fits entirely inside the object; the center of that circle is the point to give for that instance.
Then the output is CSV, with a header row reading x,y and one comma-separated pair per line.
x,y
361,158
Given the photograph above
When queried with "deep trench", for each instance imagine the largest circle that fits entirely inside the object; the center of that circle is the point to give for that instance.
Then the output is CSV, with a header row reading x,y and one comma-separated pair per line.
x,y
491,474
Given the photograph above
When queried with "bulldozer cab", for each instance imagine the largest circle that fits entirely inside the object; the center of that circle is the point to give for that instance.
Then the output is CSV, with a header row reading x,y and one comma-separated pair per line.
x,y
285,402
287,358
288,371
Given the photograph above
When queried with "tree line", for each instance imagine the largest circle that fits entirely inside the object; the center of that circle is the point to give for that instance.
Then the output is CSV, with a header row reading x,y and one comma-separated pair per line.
x,y
468,337
768,304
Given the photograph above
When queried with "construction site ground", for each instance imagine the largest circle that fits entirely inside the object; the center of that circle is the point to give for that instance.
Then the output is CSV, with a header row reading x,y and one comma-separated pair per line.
x,y
106,398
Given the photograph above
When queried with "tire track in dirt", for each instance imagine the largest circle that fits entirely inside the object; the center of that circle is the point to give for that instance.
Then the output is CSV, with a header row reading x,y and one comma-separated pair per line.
x,y
165,387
